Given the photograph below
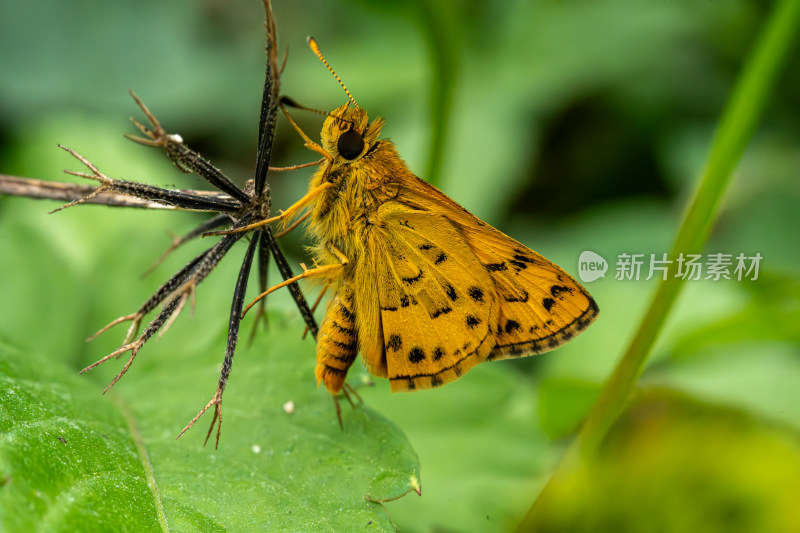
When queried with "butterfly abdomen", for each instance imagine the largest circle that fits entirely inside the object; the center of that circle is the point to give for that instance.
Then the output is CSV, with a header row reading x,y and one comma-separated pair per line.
x,y
337,344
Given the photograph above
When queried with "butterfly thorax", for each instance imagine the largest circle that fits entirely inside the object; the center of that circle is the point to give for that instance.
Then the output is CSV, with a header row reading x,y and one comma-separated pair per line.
x,y
362,180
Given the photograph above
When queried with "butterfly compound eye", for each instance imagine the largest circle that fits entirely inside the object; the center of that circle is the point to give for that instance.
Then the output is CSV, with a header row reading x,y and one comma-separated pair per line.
x,y
350,144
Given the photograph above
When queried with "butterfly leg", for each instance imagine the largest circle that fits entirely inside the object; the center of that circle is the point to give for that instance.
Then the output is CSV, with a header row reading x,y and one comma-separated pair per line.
x,y
311,145
289,213
314,308
338,411
350,392
293,226
338,406
328,271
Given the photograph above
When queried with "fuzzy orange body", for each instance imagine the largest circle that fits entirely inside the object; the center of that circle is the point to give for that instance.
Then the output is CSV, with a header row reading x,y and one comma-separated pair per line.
x,y
427,289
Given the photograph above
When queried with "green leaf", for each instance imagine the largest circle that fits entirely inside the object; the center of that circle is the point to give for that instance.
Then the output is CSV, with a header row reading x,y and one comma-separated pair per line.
x,y
119,466
66,459
482,451
71,458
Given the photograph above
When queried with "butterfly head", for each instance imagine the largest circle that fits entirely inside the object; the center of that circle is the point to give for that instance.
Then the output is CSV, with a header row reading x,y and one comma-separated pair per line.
x,y
348,135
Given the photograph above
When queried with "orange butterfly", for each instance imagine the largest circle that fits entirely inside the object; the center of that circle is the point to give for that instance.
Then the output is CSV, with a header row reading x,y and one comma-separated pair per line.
x,y
422,288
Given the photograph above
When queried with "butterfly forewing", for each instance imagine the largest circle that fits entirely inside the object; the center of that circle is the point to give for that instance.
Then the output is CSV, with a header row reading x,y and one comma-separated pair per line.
x,y
437,304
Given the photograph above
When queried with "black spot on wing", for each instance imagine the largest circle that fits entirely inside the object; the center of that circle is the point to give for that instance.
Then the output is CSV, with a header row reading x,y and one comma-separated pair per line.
x,y
522,258
548,304
472,321
438,353
413,279
404,301
425,246
441,258
395,342
521,298
512,326
475,293
496,267
416,354
558,290
451,292
441,311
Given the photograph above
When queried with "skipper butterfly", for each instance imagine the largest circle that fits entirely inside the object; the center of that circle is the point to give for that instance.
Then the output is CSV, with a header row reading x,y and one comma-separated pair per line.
x,y
421,287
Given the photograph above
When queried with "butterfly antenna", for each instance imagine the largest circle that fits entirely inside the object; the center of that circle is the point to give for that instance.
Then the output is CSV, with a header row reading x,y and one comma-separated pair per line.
x,y
314,48
285,100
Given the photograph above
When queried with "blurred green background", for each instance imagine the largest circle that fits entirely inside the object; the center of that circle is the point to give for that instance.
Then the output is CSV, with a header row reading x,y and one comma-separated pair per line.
x,y
571,126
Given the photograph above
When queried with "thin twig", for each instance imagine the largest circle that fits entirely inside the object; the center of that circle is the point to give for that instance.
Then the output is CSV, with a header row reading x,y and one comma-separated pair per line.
x,y
69,192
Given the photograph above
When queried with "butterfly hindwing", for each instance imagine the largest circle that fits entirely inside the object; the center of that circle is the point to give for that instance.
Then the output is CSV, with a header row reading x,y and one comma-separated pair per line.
x,y
437,302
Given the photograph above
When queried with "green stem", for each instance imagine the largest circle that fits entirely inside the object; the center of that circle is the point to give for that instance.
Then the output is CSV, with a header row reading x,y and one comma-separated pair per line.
x,y
438,19
736,127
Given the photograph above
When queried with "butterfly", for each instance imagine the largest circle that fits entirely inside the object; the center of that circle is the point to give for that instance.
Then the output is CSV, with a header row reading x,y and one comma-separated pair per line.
x,y
422,288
